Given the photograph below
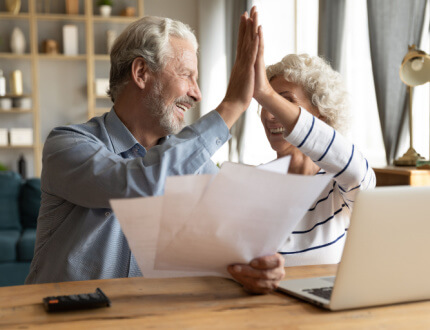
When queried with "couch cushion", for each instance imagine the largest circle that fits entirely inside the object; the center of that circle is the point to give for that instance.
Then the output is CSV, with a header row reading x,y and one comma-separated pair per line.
x,y
8,243
29,202
10,184
26,245
13,273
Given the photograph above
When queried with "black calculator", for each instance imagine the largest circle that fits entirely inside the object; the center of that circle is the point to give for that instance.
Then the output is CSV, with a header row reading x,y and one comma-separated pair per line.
x,y
76,301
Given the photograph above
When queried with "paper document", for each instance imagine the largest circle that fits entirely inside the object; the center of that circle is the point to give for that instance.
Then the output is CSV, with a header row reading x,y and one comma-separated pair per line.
x,y
280,165
140,223
203,223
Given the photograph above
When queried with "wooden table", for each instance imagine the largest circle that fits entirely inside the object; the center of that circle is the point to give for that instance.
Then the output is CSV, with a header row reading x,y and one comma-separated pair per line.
x,y
402,175
196,303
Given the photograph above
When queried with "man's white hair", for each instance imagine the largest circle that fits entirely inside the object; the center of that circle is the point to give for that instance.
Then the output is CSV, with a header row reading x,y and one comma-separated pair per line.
x,y
323,86
149,38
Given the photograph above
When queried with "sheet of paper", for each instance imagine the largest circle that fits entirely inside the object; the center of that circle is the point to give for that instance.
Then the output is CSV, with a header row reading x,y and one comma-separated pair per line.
x,y
140,223
181,196
244,213
279,165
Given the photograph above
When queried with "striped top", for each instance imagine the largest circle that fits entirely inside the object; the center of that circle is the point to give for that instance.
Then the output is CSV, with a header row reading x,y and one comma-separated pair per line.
x,y
319,237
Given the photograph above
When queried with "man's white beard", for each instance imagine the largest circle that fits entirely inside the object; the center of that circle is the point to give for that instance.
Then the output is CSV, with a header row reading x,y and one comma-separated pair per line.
x,y
165,114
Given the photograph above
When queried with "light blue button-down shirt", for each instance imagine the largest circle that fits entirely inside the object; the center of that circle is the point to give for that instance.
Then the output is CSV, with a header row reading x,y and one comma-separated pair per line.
x,y
86,165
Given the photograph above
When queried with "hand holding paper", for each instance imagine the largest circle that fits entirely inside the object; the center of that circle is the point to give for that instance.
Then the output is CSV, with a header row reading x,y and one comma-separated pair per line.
x,y
205,224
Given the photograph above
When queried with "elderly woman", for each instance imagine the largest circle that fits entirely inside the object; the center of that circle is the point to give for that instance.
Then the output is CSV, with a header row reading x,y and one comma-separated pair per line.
x,y
304,109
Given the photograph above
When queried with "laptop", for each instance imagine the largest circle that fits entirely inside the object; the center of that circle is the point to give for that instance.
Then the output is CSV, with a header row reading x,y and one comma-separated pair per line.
x,y
386,255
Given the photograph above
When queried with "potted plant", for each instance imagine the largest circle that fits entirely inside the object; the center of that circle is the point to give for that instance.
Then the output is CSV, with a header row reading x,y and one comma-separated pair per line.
x,y
105,7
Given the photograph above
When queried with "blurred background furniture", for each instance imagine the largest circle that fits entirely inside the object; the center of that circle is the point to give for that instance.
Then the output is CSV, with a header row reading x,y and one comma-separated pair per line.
x,y
19,205
400,176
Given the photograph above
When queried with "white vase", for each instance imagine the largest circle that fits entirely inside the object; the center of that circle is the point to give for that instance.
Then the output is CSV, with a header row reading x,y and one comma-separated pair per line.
x,y
105,10
17,41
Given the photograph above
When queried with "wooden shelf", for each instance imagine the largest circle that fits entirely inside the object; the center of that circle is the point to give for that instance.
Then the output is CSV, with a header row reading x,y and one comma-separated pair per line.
x,y
16,111
16,56
100,57
6,15
115,19
60,17
15,96
100,111
62,57
32,146
38,26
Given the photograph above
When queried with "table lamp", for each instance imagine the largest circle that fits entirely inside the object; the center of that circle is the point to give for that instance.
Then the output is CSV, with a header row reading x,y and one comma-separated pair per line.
x,y
414,71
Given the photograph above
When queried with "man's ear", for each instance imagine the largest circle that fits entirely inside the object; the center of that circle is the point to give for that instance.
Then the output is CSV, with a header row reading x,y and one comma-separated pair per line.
x,y
140,72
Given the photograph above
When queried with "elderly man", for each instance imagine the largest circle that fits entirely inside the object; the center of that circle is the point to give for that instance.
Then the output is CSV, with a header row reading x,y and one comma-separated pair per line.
x,y
130,151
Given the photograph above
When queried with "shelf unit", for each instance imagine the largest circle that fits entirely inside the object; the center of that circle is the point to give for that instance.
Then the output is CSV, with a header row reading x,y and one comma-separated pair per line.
x,y
39,23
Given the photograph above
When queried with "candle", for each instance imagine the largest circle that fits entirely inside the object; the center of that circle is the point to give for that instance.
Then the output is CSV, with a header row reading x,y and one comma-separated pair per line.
x,y
16,82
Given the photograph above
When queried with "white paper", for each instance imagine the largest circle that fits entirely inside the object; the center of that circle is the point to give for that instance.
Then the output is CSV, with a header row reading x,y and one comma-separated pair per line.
x,y
243,214
181,195
140,223
279,165
204,223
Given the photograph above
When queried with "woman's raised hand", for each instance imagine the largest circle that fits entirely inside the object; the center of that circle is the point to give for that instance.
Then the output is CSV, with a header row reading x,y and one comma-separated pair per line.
x,y
262,86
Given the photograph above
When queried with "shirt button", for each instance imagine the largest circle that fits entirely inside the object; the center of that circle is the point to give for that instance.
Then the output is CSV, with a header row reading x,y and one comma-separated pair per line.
x,y
218,142
107,214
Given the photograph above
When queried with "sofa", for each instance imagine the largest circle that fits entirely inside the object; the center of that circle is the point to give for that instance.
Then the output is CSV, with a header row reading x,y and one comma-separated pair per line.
x,y
19,208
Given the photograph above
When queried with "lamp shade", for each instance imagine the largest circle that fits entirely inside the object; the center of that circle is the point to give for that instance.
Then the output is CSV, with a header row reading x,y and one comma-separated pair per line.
x,y
415,68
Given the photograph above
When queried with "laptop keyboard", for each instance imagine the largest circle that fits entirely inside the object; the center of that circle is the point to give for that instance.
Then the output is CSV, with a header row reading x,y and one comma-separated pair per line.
x,y
321,292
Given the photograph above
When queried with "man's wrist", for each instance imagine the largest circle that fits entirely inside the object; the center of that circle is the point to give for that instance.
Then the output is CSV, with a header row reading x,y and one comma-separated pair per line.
x,y
230,111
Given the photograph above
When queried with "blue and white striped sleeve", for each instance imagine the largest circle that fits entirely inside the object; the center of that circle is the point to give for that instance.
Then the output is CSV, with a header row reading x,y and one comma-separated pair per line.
x,y
333,154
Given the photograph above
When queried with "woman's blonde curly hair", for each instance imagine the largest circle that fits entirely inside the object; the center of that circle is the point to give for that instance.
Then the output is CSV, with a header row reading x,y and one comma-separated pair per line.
x,y
323,86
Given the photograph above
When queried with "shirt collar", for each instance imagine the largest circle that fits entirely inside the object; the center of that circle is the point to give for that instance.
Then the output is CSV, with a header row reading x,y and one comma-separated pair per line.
x,y
121,138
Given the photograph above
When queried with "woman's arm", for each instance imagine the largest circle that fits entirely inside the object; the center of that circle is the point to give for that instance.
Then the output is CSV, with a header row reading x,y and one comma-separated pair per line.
x,y
326,147
333,154
286,112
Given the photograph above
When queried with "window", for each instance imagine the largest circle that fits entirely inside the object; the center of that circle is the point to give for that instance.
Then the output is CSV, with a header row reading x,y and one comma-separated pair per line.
x,y
291,26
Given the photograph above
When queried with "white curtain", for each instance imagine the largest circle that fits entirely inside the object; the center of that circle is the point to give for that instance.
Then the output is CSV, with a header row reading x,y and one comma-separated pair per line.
x,y
212,60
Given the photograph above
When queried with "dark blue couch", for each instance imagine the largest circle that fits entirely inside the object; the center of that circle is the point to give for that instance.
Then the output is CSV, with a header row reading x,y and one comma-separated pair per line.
x,y
19,208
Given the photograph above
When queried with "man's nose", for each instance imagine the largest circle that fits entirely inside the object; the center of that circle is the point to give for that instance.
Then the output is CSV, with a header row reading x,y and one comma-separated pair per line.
x,y
194,92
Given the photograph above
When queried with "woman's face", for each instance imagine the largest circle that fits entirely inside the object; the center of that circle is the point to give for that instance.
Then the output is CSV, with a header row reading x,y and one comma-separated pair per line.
x,y
293,93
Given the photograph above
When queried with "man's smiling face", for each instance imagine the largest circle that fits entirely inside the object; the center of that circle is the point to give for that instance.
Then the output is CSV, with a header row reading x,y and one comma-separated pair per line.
x,y
175,88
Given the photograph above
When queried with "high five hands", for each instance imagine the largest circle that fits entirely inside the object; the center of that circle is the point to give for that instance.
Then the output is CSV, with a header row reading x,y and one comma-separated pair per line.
x,y
248,79
244,78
